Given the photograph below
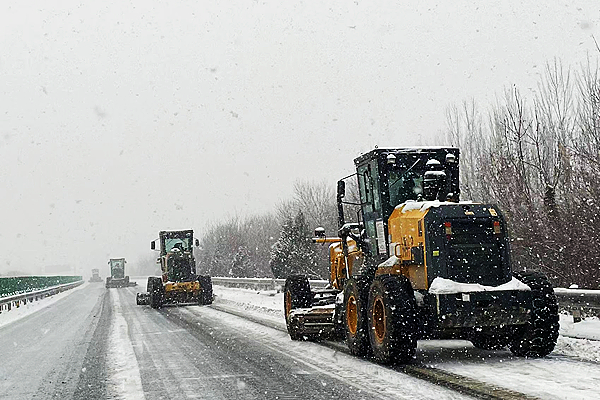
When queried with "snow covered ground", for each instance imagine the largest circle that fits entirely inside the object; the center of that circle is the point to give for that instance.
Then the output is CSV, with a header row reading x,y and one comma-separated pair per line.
x,y
6,317
572,371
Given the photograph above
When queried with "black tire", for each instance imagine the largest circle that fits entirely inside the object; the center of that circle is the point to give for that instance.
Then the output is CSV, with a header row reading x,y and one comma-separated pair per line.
x,y
127,280
356,295
156,292
490,341
392,316
138,299
538,337
205,296
150,283
296,294
108,282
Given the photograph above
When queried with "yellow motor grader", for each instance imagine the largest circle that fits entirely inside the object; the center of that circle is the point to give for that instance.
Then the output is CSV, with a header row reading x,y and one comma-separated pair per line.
x,y
179,282
417,263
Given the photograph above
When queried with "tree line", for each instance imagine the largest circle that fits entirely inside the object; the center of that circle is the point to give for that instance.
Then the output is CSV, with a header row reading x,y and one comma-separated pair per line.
x,y
538,158
274,244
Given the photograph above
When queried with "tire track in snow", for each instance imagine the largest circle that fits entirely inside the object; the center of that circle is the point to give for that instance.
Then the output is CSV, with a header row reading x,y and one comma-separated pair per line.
x,y
459,383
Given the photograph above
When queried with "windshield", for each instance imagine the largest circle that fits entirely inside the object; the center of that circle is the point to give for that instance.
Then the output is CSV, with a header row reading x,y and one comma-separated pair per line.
x,y
181,244
404,186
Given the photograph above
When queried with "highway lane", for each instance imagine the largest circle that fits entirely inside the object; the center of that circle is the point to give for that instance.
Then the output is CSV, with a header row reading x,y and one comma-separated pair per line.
x,y
199,352
52,353
98,344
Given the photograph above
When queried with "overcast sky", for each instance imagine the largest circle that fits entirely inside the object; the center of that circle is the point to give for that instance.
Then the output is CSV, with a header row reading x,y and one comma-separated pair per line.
x,y
121,118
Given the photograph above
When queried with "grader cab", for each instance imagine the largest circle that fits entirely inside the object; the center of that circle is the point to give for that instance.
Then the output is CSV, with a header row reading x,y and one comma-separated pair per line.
x,y
178,282
418,263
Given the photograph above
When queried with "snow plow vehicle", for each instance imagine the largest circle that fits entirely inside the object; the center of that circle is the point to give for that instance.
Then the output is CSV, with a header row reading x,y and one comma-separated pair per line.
x,y
418,263
117,276
95,275
179,282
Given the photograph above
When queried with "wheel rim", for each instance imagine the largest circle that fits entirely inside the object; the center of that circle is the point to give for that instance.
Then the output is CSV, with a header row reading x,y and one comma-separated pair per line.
x,y
379,319
288,303
352,315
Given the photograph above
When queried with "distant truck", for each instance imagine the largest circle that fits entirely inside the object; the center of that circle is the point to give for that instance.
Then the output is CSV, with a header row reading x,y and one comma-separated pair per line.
x,y
117,276
95,275
179,282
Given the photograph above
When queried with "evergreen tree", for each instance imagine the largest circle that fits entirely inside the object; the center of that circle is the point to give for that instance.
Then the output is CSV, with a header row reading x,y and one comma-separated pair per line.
x,y
294,252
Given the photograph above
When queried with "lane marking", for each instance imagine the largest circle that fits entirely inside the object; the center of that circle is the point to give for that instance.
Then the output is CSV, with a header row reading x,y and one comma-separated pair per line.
x,y
124,377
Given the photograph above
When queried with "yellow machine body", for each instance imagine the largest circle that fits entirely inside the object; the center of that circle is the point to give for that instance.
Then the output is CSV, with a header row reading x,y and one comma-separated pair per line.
x,y
407,238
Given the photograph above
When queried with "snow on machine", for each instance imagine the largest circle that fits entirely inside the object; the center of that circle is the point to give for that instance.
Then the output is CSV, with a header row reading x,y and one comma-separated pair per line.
x,y
418,263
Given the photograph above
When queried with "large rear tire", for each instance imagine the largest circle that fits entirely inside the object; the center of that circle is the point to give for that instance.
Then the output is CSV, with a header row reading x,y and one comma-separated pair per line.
x,y
356,292
296,294
490,341
538,337
392,316
205,296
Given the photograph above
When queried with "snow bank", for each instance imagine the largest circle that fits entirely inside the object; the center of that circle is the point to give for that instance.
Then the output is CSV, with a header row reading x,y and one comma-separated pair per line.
x,y
447,286
589,328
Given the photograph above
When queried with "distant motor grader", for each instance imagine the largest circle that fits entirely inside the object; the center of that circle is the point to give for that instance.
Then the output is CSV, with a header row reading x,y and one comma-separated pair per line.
x,y
117,276
179,282
419,264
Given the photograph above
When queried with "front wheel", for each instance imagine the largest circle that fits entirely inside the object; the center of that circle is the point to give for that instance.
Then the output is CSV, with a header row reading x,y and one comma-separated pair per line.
x,y
355,307
205,296
156,291
296,294
538,337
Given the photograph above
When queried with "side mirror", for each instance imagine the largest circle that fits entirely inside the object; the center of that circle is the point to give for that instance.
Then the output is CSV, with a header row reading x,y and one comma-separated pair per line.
x,y
152,245
341,189
197,242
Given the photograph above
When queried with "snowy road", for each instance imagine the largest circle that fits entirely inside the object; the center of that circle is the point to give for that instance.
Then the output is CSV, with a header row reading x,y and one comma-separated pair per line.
x,y
57,350
199,352
96,343
572,371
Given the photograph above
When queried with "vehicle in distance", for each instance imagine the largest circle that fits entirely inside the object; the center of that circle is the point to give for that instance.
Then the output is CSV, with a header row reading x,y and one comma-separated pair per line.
x,y
95,275
117,276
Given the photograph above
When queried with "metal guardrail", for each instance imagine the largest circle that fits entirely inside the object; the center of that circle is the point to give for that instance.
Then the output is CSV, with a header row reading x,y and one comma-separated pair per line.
x,y
12,285
260,283
578,302
8,302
